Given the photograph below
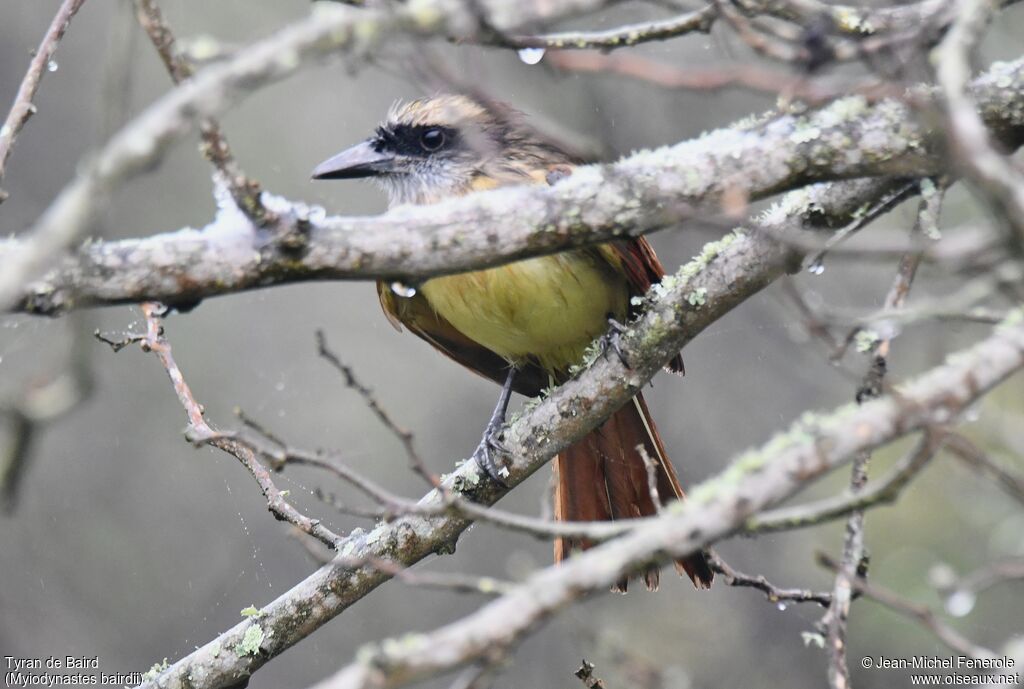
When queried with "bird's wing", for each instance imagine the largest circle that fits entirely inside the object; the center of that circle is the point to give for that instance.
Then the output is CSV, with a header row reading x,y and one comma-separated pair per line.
x,y
637,260
416,314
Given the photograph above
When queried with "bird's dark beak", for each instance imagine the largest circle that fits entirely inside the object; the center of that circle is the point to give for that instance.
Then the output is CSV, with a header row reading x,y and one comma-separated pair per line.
x,y
362,160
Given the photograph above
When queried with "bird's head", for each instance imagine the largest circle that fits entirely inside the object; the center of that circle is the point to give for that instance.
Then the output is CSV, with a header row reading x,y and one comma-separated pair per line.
x,y
433,148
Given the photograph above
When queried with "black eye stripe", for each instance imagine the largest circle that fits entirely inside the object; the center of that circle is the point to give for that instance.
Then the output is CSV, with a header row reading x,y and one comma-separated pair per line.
x,y
409,140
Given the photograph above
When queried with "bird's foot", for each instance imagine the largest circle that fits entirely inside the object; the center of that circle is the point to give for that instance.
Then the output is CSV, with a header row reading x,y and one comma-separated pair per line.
x,y
488,451
611,341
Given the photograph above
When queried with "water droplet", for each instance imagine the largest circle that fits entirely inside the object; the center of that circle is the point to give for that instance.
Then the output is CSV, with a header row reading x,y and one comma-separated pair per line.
x,y
531,56
780,605
960,603
816,268
51,66
942,576
403,290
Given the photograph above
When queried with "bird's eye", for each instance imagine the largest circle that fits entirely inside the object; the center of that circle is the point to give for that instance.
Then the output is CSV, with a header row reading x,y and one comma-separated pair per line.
x,y
432,140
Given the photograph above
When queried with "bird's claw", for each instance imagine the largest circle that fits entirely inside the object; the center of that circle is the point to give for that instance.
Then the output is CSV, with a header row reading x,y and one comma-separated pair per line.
x,y
486,456
611,341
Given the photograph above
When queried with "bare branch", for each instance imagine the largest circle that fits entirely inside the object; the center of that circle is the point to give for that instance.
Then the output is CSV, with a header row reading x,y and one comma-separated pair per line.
x,y
993,172
404,436
215,148
813,91
698,21
969,453
880,491
774,593
920,613
200,433
23,108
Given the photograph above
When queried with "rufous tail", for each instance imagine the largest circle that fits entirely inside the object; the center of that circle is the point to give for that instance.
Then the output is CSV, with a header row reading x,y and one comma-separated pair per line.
x,y
603,477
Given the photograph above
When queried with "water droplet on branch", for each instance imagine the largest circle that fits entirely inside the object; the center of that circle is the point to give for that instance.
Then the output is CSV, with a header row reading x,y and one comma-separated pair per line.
x,y
960,603
531,56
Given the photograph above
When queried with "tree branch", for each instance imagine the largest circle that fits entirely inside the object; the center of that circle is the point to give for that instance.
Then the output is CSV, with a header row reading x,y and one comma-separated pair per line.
x,y
329,29
726,273
642,193
23,109
715,509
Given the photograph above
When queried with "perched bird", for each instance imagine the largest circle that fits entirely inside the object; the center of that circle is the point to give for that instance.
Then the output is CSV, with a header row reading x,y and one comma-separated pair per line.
x,y
523,323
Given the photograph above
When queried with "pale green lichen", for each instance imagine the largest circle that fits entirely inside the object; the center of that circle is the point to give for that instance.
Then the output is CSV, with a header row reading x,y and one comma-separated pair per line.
x,y
927,219
155,670
804,135
796,204
404,644
849,108
251,640
668,285
865,340
488,585
801,434
469,476
252,611
697,297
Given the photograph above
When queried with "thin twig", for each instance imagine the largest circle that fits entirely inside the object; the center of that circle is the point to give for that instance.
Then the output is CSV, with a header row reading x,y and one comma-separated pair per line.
x,y
245,190
774,593
880,491
404,436
750,77
699,21
200,433
459,583
871,387
986,577
23,109
39,405
922,614
969,453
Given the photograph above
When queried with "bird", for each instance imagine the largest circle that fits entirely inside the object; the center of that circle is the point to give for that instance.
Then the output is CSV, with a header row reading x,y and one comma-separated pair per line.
x,y
522,324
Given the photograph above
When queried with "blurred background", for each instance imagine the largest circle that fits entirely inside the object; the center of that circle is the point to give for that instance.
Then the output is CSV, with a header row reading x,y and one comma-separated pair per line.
x,y
128,544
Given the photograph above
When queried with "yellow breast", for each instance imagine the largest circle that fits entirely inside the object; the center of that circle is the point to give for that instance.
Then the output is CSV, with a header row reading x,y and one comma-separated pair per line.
x,y
547,309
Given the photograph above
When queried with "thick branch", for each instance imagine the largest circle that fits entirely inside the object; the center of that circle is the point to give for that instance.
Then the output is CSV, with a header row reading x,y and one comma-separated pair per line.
x,y
142,143
647,191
